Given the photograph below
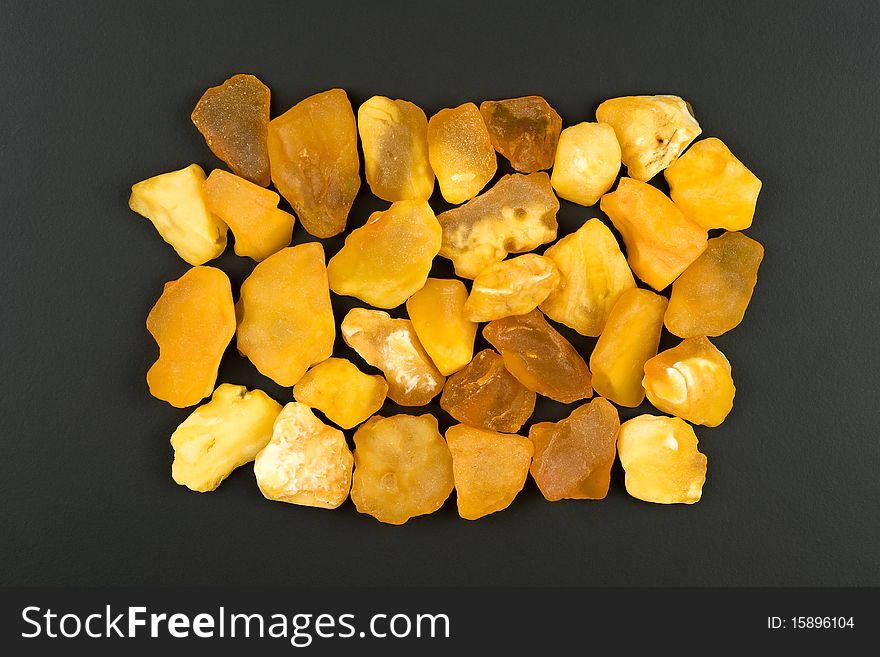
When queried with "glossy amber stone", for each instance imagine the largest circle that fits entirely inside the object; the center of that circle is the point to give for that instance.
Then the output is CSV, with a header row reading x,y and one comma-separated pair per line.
x,y
511,287
343,393
460,152
437,315
524,130
587,162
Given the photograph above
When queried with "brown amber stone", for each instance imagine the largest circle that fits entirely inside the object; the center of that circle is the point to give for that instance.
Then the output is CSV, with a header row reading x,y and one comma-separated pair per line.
x,y
511,287
524,130
573,457
485,395
402,468
489,468
285,321
234,120
437,315
192,322
314,160
343,393
587,162
711,296
460,152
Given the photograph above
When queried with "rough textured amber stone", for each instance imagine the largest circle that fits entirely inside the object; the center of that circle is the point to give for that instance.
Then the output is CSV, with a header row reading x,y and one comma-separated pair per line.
x,y
629,339
593,275
490,468
285,321
306,462
712,295
511,287
660,241
652,131
234,120
587,162
387,259
485,395
392,346
402,468
573,457
437,315
661,460
460,152
539,357
175,203
192,322
524,130
515,216
343,393
691,381
251,212
712,187
221,435
314,160
394,136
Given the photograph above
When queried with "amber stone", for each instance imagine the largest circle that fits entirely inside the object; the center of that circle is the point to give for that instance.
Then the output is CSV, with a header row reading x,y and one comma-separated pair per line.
x,y
511,287
437,315
460,152
587,162
314,160
524,130
343,393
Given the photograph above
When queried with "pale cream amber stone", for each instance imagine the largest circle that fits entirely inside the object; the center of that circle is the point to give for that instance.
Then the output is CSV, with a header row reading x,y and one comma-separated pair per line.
x,y
511,287
343,393
437,315
524,130
587,162
661,460
460,152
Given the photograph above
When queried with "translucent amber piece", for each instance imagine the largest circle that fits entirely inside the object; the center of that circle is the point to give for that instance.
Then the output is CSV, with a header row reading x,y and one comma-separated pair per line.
x,y
402,468
392,346
490,468
192,322
539,357
661,460
511,287
691,381
314,160
485,395
175,203
285,322
712,187
629,339
660,241
593,275
394,136
460,152
652,131
437,315
234,120
515,216
587,162
387,259
712,295
573,457
343,393
524,130
306,462
251,212
221,435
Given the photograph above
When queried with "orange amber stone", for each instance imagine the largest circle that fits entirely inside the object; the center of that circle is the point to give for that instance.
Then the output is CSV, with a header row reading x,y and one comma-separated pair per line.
x,y
437,315
343,393
460,152
524,130
511,287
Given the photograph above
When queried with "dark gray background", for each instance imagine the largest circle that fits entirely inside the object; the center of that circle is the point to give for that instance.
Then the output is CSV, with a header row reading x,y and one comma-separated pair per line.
x,y
98,96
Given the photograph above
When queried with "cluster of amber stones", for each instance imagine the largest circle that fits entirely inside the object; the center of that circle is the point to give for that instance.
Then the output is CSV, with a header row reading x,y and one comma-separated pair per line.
x,y
667,272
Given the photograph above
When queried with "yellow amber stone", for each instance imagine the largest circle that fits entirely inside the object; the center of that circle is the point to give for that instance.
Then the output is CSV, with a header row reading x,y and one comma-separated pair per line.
x,y
394,136
175,203
711,296
630,337
460,152
314,160
343,393
387,259
437,315
712,187
402,468
489,469
524,130
221,435
593,275
306,462
660,241
691,381
511,287
392,346
192,322
515,216
285,321
587,162
652,131
661,460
